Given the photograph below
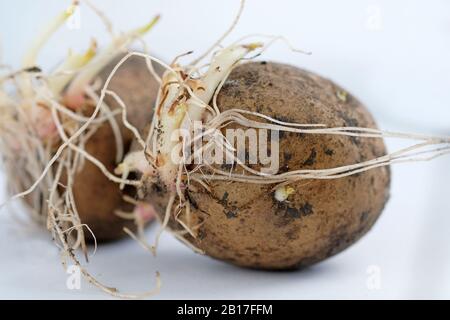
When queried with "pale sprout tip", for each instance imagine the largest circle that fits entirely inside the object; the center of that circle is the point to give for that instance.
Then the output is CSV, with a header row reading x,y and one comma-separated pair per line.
x,y
71,9
282,193
149,25
253,46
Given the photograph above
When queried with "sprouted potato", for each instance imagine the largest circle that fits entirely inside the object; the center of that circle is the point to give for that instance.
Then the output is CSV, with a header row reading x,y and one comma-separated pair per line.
x,y
334,174
301,222
62,137
100,202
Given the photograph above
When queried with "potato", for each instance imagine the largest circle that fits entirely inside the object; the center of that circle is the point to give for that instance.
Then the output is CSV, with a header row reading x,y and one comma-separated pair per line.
x,y
244,224
97,197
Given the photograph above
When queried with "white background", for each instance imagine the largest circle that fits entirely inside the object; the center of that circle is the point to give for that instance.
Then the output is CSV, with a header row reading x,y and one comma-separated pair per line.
x,y
393,55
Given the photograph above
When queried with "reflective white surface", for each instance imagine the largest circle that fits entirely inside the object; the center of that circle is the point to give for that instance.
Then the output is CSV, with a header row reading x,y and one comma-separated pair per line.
x,y
392,55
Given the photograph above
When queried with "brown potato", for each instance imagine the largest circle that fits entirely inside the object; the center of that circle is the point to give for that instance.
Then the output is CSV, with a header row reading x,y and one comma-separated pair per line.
x,y
97,197
244,224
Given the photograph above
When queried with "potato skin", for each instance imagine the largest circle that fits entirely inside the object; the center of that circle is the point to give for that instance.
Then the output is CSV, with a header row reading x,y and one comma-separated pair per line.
x,y
95,195
244,224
